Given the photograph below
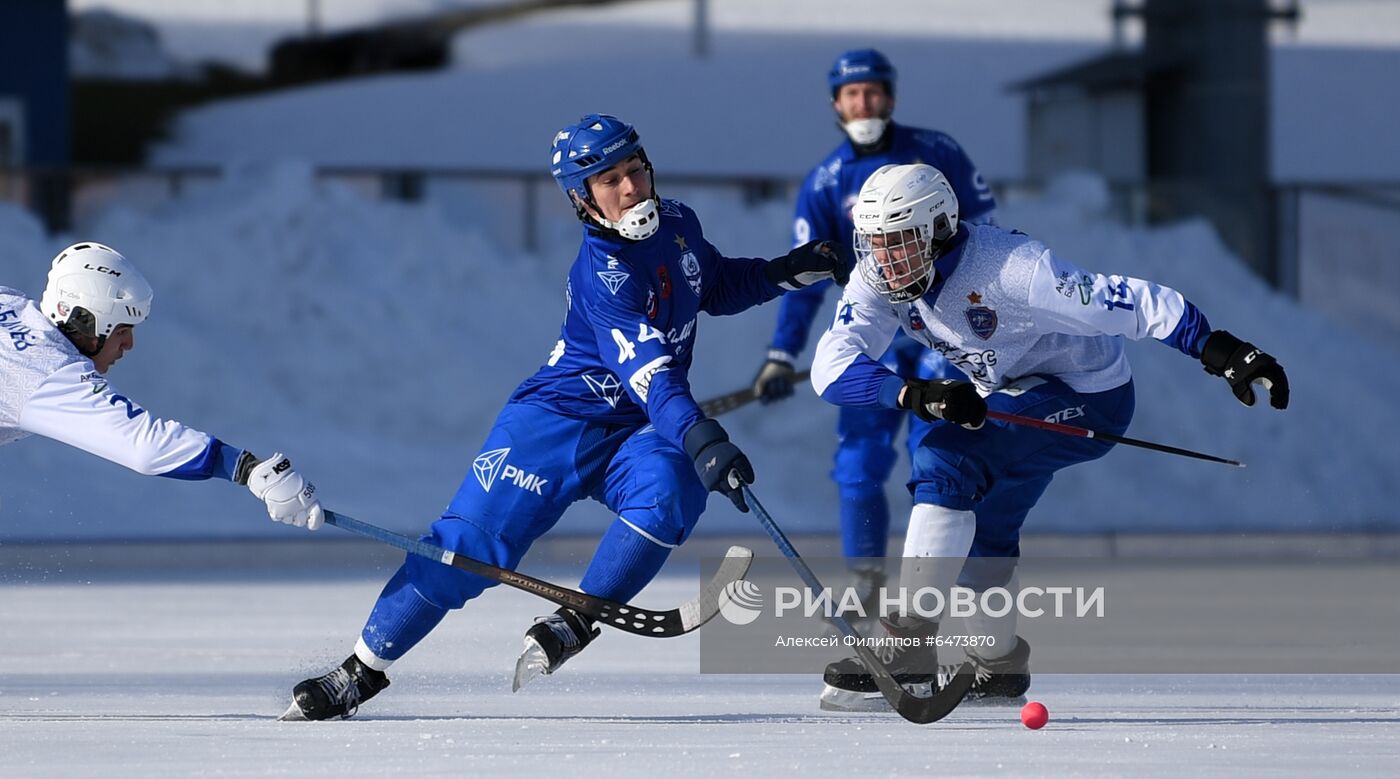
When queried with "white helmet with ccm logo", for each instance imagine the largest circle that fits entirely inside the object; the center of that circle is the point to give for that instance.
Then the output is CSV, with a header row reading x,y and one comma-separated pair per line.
x,y
93,289
903,216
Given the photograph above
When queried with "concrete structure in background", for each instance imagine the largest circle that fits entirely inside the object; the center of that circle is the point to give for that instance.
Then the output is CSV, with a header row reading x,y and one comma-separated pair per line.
x,y
34,119
1187,116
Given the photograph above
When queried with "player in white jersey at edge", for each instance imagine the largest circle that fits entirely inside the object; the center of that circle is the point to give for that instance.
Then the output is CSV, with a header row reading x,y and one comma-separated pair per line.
x,y
1038,337
54,357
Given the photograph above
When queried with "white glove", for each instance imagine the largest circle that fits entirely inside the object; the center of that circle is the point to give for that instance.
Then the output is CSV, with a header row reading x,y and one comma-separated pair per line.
x,y
289,497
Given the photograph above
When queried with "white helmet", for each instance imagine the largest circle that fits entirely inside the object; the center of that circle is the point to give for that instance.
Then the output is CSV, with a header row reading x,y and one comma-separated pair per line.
x,y
903,216
93,289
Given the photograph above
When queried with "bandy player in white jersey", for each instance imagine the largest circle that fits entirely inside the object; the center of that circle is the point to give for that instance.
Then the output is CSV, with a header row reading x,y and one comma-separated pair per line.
x,y
54,357
1038,337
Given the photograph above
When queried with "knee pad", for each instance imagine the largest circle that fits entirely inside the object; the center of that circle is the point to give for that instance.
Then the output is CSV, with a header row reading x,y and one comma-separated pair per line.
x,y
673,515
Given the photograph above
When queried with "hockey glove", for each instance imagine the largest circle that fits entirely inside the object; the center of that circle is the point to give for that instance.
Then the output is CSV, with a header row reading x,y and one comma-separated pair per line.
x,y
774,379
289,497
947,399
1244,365
720,464
810,263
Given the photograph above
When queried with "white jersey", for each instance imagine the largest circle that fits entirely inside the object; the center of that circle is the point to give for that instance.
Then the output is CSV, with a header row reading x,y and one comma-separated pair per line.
x,y
48,388
1008,308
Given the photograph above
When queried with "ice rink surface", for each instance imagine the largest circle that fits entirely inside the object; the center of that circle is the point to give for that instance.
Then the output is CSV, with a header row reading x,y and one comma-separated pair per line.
x,y
176,674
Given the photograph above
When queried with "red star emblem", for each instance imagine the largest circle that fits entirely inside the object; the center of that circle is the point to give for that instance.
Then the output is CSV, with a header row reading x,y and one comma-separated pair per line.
x,y
974,298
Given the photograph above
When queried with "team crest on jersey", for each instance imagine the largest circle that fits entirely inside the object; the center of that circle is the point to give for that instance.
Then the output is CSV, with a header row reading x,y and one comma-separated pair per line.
x,y
982,320
606,387
916,322
690,266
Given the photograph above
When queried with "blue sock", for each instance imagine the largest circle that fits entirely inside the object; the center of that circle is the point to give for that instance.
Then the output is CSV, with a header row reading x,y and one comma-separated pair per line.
x,y
400,619
865,521
626,561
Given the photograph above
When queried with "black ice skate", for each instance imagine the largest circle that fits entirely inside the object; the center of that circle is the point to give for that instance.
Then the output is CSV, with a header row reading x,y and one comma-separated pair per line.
x,y
338,694
850,687
1002,681
550,642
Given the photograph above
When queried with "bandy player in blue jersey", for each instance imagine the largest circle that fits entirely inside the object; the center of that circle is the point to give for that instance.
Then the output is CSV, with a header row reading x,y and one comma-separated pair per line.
x,y
1036,336
862,85
609,416
54,358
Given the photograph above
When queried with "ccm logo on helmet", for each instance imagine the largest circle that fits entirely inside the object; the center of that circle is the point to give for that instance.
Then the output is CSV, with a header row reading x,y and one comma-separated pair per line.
x,y
102,269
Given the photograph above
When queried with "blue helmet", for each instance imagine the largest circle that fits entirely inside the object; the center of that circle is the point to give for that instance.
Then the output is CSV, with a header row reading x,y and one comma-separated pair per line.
x,y
861,65
591,145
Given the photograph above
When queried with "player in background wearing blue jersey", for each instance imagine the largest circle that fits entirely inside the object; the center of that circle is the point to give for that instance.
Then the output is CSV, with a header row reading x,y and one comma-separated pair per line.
x,y
609,416
1037,337
862,85
54,357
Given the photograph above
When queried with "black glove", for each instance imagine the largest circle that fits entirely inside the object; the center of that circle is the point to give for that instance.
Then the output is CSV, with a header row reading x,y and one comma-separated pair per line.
x,y
1244,365
774,379
720,464
947,399
809,263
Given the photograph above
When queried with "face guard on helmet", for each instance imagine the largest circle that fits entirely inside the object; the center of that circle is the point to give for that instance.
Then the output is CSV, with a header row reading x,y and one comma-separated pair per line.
x,y
904,215
590,146
92,290
856,66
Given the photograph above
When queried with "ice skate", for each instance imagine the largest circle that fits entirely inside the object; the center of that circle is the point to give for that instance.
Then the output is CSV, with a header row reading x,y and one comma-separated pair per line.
x,y
337,694
850,687
1002,681
550,642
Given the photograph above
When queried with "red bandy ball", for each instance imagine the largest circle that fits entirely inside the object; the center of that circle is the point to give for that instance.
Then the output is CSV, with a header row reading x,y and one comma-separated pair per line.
x,y
1034,715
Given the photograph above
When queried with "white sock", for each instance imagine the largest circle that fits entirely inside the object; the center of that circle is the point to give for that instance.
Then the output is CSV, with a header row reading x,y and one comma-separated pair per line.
x,y
1001,630
368,657
936,532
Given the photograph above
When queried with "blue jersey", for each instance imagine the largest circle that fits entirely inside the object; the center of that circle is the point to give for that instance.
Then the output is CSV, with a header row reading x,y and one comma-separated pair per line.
x,y
625,348
829,191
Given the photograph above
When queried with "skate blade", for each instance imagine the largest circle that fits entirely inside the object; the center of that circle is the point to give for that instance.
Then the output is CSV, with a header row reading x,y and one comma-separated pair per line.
x,y
836,699
532,663
293,714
